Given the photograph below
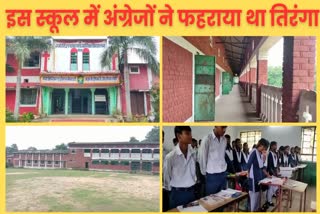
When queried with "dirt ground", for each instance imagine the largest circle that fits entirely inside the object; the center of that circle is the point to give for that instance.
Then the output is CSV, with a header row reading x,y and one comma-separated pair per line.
x,y
58,193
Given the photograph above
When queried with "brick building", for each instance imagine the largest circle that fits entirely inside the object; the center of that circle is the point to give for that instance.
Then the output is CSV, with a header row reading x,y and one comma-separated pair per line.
x,y
120,156
69,79
199,73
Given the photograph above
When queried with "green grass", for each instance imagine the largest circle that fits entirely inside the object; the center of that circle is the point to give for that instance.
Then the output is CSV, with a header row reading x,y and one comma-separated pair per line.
x,y
84,197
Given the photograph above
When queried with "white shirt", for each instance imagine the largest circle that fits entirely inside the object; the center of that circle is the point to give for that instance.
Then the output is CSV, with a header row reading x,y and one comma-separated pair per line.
x,y
285,160
212,154
179,171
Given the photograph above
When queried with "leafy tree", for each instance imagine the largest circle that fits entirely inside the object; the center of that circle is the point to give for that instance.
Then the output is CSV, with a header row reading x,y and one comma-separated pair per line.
x,y
155,95
144,46
62,146
32,148
22,47
275,76
133,140
153,135
11,149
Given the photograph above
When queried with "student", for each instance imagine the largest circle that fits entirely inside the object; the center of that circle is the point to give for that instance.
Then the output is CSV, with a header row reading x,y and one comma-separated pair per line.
x,y
285,159
237,156
165,193
297,154
280,154
233,144
292,156
272,169
229,155
245,155
212,160
180,169
194,144
257,172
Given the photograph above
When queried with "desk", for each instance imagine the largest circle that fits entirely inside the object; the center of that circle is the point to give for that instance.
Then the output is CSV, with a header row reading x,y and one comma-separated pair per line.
x,y
301,171
274,182
296,186
224,202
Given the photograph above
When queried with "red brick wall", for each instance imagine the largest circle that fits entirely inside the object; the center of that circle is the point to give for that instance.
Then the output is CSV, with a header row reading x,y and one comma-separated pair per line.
x,y
203,44
298,73
77,160
177,82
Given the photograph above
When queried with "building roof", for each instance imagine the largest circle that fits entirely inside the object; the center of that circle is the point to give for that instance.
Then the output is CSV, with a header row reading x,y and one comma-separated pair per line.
x,y
109,143
42,151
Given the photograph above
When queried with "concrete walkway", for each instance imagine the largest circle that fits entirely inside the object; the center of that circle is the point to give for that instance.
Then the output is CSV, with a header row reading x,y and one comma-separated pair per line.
x,y
235,107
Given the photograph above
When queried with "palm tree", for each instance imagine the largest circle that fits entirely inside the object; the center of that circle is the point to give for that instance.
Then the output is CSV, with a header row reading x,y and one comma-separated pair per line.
x,y
22,47
144,46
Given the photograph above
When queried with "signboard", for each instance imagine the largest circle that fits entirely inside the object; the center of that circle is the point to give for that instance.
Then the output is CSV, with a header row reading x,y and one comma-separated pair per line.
x,y
80,79
78,45
100,98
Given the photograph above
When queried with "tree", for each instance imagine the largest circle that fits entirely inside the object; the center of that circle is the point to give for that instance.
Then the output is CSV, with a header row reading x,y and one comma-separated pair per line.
x,y
275,76
22,47
153,135
155,95
144,46
62,146
32,148
133,140
11,149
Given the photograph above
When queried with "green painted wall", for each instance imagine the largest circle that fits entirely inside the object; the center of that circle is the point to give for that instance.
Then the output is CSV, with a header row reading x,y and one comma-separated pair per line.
x,y
226,83
113,95
204,88
46,100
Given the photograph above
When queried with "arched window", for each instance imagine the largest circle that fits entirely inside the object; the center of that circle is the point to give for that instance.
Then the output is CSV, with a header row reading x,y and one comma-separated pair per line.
x,y
74,59
85,59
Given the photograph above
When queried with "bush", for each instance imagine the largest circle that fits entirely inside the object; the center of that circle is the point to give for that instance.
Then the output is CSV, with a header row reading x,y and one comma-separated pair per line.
x,y
9,116
155,96
27,117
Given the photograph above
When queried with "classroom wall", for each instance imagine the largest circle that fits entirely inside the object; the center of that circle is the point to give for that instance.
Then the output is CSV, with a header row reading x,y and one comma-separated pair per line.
x,y
198,132
284,135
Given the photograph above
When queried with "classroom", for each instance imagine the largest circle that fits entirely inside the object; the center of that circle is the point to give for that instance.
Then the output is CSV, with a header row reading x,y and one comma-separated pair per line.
x,y
239,169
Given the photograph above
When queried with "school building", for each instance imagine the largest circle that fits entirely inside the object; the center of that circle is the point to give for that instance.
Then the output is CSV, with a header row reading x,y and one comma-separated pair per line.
x,y
70,80
119,156
207,78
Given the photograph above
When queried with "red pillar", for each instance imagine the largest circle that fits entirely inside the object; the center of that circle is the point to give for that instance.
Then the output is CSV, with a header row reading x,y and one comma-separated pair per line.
x,y
298,73
252,81
262,79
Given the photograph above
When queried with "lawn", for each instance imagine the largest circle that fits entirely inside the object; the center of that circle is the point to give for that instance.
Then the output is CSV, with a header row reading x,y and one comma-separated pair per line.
x,y
80,191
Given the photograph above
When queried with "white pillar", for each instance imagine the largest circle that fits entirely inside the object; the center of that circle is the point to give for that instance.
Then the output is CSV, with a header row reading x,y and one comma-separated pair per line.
x,y
39,160
53,160
19,160
60,161
45,160
32,160
145,103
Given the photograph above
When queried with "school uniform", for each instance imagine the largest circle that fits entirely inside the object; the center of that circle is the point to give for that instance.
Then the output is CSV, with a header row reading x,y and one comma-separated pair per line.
x,y
212,162
255,166
293,160
244,163
237,159
180,176
272,167
298,158
229,160
285,160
